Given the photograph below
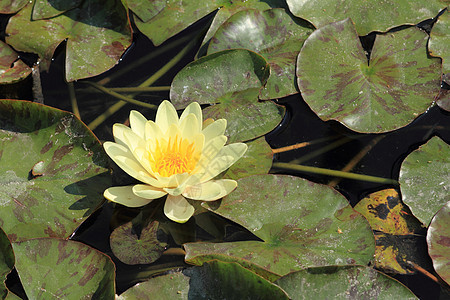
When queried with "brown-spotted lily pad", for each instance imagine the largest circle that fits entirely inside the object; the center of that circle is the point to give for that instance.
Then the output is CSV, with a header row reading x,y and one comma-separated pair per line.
x,y
439,43
12,69
385,92
53,171
301,224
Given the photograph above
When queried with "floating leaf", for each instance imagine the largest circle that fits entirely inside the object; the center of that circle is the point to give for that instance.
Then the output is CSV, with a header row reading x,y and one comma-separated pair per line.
x,y
53,171
6,261
60,269
172,286
97,34
302,224
12,69
174,17
443,100
233,79
395,233
132,248
355,282
274,35
438,240
12,6
146,10
256,160
44,9
368,15
424,179
440,40
398,83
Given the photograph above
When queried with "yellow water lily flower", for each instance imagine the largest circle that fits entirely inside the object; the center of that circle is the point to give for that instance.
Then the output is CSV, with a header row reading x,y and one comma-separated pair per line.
x,y
172,156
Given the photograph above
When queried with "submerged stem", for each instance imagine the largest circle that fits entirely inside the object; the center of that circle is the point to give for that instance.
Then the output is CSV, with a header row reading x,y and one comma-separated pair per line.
x,y
73,100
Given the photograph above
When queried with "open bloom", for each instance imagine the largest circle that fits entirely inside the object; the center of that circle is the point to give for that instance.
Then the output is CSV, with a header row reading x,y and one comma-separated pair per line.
x,y
172,156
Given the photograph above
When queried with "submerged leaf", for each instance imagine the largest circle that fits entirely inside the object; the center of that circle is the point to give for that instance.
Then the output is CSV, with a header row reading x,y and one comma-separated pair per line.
x,y
384,93
424,179
302,224
53,171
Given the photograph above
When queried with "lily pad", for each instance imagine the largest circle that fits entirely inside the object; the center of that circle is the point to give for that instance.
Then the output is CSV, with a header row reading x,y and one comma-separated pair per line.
x,y
97,34
12,69
53,171
6,261
146,10
440,40
384,93
60,269
424,179
44,9
438,240
132,248
12,6
352,282
256,160
368,15
271,33
232,79
174,17
302,224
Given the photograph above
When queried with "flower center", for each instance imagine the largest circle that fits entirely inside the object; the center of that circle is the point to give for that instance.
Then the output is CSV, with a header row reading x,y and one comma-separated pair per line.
x,y
173,156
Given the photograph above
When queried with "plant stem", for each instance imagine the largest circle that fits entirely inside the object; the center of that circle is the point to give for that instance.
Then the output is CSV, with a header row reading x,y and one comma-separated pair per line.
x,y
322,150
334,173
73,100
140,89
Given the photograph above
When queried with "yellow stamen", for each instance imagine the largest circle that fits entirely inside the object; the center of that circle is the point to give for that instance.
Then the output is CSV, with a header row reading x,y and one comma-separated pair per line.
x,y
175,156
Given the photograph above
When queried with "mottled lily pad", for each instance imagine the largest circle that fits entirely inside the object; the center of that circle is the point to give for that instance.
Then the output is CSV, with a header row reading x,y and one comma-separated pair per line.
x,y
174,17
438,240
44,9
439,44
97,35
132,248
368,15
61,269
424,179
231,80
271,33
384,93
302,224
146,10
355,282
12,69
12,6
53,171
6,261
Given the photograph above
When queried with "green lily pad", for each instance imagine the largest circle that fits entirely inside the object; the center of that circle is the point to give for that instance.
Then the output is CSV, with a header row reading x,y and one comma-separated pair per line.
x,y
6,261
302,224
97,35
368,15
382,94
352,282
53,171
424,179
438,240
440,40
60,269
274,35
12,6
146,10
256,160
232,79
173,18
44,9
132,248
12,69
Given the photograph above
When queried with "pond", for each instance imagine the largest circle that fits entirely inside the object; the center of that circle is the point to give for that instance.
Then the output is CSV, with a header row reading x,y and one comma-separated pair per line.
x,y
303,152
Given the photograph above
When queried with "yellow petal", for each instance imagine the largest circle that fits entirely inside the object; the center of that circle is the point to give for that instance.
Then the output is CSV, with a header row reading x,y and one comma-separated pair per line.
x,y
189,126
210,190
124,195
148,191
193,108
152,131
179,183
209,152
137,123
123,157
227,156
118,132
178,209
216,128
166,115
